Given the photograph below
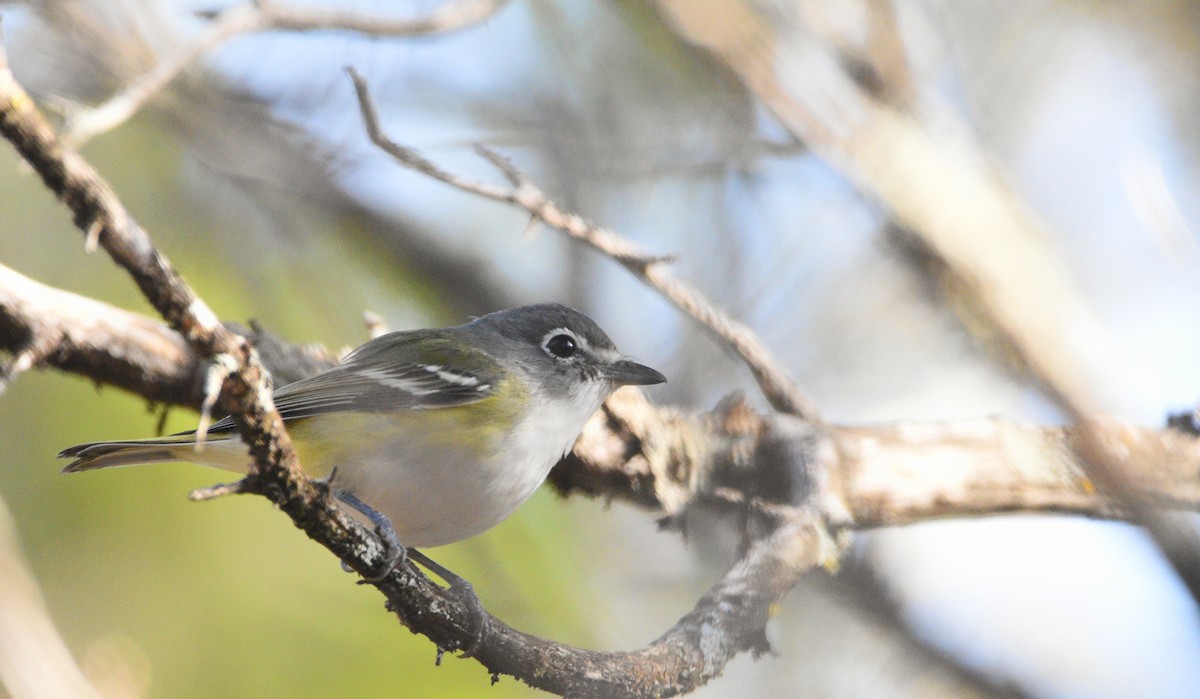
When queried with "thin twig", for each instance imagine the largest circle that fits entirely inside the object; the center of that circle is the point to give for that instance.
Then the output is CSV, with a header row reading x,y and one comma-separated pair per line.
x,y
83,124
220,490
20,362
776,385
450,17
214,378
374,324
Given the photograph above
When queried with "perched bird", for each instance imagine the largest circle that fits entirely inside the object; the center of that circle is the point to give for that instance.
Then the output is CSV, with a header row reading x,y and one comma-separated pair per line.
x,y
444,432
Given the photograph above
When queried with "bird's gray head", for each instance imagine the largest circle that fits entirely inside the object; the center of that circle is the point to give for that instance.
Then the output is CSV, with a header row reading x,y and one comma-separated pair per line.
x,y
563,349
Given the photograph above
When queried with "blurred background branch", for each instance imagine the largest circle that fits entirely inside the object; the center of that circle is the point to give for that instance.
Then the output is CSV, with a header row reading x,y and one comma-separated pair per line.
x,y
35,662
83,124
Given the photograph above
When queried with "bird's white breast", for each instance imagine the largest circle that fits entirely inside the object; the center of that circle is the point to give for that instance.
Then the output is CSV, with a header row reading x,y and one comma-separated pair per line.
x,y
437,494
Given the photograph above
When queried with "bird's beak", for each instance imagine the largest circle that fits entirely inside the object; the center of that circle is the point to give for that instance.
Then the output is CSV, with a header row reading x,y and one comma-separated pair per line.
x,y
626,372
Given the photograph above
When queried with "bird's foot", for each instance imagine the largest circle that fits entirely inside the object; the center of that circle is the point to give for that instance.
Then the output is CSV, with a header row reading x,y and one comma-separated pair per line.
x,y
394,553
465,592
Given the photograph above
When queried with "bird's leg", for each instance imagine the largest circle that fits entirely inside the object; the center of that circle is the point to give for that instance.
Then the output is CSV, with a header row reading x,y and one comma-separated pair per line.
x,y
397,554
466,596
394,552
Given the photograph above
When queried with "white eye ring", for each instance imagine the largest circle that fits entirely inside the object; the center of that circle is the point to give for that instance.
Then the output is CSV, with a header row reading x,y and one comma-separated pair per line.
x,y
561,343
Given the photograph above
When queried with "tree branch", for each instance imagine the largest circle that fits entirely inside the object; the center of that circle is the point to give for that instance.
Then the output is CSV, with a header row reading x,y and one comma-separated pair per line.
x,y
110,345
90,338
263,16
776,385
730,619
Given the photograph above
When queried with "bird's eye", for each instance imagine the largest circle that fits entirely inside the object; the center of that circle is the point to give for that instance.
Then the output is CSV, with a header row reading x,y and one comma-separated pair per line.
x,y
562,346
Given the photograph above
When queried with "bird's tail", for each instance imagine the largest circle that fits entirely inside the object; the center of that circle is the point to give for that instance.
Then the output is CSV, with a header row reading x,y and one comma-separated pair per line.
x,y
223,452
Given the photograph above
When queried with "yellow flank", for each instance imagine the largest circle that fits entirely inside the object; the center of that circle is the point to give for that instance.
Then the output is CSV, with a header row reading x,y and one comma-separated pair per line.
x,y
330,439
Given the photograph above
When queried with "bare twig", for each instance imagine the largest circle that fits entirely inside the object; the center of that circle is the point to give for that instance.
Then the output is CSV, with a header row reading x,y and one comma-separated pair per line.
x,y
83,124
21,361
882,475
453,16
262,16
220,490
776,385
374,323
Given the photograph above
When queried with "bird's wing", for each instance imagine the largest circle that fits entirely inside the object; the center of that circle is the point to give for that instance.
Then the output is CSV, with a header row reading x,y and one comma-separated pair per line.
x,y
416,370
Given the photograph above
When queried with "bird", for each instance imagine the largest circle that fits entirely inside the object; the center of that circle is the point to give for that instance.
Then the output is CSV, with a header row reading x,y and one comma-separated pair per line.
x,y
441,432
